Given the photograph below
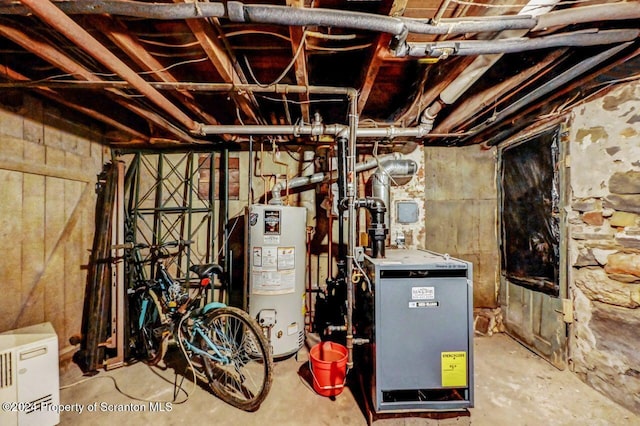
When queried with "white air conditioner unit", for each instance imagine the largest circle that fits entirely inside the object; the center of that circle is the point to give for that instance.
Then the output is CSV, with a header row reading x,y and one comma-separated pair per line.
x,y
29,377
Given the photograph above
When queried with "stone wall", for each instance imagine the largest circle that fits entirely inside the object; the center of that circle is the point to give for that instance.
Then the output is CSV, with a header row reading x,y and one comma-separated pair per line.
x,y
604,225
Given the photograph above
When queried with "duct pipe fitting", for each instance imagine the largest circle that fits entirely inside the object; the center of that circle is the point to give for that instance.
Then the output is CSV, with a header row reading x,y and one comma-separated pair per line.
x,y
322,177
377,229
381,180
512,45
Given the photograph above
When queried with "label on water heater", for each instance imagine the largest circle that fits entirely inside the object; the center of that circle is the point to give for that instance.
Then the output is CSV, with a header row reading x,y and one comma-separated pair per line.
x,y
423,293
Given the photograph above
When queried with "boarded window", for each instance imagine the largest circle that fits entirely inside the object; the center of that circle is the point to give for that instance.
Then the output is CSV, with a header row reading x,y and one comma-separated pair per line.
x,y
204,182
530,214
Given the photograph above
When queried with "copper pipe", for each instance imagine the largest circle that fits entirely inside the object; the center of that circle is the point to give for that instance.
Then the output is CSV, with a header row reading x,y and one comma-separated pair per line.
x,y
53,16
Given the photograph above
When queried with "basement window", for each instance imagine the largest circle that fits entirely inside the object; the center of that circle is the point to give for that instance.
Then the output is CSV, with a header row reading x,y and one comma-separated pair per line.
x,y
529,216
204,181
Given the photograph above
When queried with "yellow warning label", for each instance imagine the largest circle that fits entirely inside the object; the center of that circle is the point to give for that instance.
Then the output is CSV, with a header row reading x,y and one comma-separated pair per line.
x,y
454,369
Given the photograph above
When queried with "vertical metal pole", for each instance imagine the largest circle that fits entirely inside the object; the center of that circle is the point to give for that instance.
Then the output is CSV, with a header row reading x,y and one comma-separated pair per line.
x,y
351,191
247,259
157,215
224,217
211,231
189,188
341,142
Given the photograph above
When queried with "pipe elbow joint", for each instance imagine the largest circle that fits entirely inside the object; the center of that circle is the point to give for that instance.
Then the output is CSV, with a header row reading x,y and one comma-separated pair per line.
x,y
376,204
275,195
198,130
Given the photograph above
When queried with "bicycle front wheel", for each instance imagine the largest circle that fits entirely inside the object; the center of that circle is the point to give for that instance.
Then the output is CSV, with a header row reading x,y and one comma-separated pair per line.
x,y
240,366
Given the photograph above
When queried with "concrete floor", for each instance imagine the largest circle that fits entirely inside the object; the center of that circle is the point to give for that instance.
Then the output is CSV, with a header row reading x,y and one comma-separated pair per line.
x,y
513,387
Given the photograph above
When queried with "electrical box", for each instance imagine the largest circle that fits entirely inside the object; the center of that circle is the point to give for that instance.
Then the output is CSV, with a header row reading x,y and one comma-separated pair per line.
x,y
422,351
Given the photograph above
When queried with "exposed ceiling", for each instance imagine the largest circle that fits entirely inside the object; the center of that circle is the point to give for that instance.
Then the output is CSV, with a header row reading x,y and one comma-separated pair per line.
x,y
448,72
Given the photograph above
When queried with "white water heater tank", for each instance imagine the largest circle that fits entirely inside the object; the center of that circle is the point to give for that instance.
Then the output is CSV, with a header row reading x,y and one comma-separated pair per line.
x,y
276,259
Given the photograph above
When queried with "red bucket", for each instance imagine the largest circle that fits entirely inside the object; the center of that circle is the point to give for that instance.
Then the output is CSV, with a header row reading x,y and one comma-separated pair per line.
x,y
328,368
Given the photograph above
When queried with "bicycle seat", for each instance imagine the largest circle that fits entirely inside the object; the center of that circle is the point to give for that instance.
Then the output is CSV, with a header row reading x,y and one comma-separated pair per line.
x,y
207,270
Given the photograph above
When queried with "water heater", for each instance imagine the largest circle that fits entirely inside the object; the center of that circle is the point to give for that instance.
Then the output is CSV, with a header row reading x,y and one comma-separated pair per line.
x,y
275,262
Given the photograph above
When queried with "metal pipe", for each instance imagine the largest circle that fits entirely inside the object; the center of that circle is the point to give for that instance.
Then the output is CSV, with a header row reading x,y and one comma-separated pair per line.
x,y
511,45
532,18
378,229
269,14
52,55
317,130
381,181
594,13
321,177
61,22
341,155
552,85
471,25
351,242
223,228
481,64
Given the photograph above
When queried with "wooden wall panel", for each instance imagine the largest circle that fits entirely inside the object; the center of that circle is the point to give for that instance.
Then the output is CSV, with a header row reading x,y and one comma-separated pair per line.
x,y
55,222
11,241
33,227
47,179
74,279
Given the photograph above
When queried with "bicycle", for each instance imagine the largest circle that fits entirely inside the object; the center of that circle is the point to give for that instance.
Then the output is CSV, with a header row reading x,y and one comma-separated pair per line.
x,y
221,344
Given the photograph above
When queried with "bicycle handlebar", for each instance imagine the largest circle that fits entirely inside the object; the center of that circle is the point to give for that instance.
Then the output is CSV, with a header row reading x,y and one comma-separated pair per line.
x,y
174,243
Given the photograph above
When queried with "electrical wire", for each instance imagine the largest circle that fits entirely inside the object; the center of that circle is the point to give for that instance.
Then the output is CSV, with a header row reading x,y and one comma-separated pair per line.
x,y
128,395
286,70
311,101
170,45
324,36
339,49
246,32
561,109
177,64
229,235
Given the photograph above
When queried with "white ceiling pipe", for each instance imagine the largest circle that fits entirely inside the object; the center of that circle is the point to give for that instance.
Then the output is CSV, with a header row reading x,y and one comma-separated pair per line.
x,y
317,129
480,65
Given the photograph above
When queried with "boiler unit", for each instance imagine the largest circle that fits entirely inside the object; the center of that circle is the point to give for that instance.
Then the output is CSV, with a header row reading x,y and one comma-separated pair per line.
x,y
275,258
422,351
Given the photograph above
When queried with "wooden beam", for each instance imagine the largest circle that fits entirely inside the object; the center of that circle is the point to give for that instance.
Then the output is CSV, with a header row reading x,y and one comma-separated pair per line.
x,y
478,103
296,34
48,53
372,69
10,74
379,52
221,61
41,169
131,46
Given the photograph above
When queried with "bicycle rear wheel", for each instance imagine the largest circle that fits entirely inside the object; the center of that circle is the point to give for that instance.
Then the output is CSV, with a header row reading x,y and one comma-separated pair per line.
x,y
148,327
243,375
